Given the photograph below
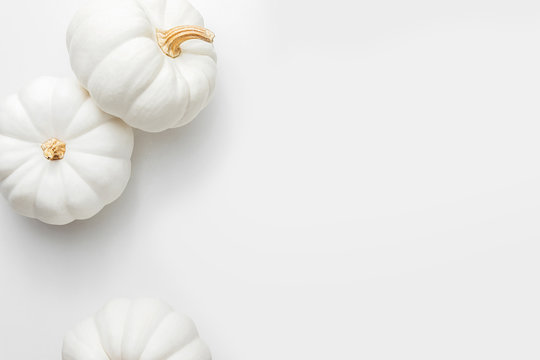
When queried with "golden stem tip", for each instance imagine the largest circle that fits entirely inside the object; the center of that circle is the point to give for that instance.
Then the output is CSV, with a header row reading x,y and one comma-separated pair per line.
x,y
170,40
54,149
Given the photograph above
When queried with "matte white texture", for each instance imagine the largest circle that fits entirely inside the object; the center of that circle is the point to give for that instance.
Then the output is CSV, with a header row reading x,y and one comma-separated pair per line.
x,y
367,194
96,166
141,329
114,53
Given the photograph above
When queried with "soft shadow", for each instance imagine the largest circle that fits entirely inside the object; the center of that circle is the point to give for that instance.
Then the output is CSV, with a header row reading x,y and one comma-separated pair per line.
x,y
162,164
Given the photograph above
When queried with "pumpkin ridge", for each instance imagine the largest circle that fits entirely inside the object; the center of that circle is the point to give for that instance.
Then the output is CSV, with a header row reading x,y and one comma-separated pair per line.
x,y
89,131
80,342
162,11
85,143
165,11
26,106
128,314
24,162
180,75
28,118
75,117
17,138
115,48
146,113
98,155
66,201
98,332
14,188
52,124
187,13
182,346
60,119
158,325
150,83
114,94
29,156
194,337
145,88
147,340
84,181
74,30
209,92
191,51
102,323
38,188
188,345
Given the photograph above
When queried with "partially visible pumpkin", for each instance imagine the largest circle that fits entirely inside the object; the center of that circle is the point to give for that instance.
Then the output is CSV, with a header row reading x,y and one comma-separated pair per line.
x,y
61,157
148,62
143,329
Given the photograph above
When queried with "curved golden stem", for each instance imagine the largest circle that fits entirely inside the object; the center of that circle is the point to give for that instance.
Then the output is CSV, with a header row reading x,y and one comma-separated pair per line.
x,y
170,40
54,149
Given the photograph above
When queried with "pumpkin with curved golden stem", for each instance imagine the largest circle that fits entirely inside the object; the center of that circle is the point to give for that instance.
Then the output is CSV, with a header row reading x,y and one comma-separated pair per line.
x,y
61,158
149,62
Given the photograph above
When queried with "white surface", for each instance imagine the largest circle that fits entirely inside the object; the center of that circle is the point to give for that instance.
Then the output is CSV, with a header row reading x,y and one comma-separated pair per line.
x,y
365,185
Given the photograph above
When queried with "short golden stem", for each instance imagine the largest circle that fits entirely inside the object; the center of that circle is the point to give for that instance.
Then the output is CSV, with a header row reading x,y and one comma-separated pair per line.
x,y
53,149
170,40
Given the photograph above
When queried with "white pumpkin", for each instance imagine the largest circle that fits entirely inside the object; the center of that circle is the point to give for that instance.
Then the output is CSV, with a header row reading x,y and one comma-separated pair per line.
x,y
61,157
143,329
149,62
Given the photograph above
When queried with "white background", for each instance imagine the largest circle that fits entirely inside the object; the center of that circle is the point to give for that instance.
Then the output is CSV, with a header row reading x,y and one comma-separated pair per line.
x,y
365,185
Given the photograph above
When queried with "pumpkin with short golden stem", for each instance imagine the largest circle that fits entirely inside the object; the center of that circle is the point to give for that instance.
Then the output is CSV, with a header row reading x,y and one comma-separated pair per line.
x,y
61,157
